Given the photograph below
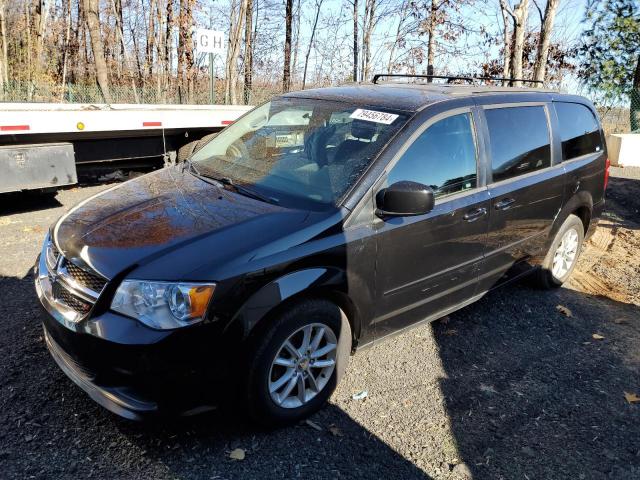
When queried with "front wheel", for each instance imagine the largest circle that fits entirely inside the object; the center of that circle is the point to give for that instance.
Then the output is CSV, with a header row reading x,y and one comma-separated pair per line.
x,y
563,253
296,365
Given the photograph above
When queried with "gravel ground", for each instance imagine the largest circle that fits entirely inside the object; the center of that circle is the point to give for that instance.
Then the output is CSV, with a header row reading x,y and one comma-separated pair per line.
x,y
506,388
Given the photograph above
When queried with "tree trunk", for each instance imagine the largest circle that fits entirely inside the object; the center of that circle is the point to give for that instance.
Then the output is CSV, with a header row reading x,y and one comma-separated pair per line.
x,y
370,15
248,52
313,33
3,37
238,12
431,41
355,40
39,21
65,51
520,12
634,109
286,74
296,42
167,47
506,38
545,39
151,40
117,8
93,25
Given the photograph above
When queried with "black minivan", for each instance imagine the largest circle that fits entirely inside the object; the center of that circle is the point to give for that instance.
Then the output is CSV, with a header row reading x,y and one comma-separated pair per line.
x,y
318,223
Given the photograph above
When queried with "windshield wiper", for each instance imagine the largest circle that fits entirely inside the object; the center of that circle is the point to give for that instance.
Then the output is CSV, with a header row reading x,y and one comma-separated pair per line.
x,y
227,182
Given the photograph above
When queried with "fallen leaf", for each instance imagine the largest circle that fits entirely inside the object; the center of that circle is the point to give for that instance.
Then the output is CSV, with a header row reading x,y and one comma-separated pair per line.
x,y
237,454
360,396
445,320
620,321
335,431
597,336
313,425
564,310
631,397
450,331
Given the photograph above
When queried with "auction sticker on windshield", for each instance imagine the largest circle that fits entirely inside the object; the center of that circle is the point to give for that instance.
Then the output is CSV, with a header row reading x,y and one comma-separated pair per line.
x,y
373,116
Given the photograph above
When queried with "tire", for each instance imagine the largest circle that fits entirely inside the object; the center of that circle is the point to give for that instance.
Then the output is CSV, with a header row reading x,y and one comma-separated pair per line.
x,y
546,278
186,151
263,374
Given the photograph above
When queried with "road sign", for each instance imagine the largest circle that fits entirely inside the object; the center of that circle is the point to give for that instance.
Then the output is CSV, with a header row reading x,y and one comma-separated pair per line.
x,y
209,41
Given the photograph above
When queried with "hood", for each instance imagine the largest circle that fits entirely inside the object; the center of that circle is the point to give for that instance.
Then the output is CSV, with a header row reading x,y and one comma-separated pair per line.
x,y
145,218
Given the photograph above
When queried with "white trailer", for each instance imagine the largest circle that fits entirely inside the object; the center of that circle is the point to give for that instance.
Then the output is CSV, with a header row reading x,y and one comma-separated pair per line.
x,y
46,145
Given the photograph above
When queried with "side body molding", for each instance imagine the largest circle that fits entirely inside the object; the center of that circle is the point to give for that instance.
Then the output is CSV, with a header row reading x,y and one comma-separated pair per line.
x,y
274,293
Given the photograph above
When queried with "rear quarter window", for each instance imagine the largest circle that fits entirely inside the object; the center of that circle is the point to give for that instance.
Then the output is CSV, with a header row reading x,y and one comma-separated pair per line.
x,y
579,130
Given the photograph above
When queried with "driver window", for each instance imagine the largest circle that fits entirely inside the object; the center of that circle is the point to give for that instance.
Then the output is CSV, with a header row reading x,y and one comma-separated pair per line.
x,y
442,157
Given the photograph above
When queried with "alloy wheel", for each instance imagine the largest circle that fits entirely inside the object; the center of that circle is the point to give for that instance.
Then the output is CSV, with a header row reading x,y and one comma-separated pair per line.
x,y
565,254
303,365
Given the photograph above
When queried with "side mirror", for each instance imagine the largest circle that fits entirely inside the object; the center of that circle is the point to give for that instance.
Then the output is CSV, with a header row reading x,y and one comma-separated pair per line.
x,y
404,198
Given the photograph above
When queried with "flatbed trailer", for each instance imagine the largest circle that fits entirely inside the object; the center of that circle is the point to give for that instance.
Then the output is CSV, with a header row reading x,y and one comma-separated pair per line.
x,y
45,145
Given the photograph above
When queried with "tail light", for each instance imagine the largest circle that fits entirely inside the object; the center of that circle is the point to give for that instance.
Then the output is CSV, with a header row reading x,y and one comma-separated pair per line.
x,y
607,165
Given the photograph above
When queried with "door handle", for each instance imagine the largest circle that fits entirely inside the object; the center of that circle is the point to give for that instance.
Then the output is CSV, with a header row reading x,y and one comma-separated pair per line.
x,y
505,203
473,215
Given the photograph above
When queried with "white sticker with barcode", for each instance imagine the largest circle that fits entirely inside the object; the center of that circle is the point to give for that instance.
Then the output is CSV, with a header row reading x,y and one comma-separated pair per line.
x,y
373,116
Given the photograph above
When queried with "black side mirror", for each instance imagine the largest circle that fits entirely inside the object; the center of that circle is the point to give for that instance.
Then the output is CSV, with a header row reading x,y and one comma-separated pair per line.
x,y
404,198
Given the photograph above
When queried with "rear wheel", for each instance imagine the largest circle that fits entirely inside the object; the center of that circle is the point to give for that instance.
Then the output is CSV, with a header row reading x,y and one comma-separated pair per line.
x,y
563,253
296,365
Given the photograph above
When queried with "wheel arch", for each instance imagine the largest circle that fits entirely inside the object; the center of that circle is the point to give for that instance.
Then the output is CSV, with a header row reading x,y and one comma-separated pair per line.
x,y
329,283
581,205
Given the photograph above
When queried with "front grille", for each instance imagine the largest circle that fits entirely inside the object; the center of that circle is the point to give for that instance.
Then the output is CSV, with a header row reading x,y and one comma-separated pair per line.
x,y
63,295
86,279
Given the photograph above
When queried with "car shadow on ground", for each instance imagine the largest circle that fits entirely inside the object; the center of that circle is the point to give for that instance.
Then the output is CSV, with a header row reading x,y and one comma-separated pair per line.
x,y
534,393
50,429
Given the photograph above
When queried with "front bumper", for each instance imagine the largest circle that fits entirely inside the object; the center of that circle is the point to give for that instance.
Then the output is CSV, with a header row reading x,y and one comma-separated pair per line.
x,y
132,370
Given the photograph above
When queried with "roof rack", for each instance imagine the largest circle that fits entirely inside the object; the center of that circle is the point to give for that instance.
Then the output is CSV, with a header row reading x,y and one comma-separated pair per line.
x,y
452,78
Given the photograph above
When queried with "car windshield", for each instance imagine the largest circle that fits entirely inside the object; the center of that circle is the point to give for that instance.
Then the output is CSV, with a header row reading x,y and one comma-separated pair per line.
x,y
298,152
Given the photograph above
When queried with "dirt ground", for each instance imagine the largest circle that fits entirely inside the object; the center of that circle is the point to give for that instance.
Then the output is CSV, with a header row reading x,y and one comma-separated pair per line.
x,y
524,384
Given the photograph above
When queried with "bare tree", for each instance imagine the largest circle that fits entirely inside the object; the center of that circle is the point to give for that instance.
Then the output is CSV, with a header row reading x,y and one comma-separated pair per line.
x,y
519,15
505,10
238,13
286,73
117,9
355,40
93,25
4,62
248,52
546,29
313,33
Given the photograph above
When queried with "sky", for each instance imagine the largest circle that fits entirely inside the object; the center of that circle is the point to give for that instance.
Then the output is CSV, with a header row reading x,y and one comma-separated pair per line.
x,y
567,30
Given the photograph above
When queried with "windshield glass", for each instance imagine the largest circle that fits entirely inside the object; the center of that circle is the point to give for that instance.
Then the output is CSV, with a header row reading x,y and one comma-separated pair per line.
x,y
297,150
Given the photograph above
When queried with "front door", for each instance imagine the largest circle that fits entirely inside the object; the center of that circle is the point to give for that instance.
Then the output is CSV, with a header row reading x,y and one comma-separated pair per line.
x,y
429,263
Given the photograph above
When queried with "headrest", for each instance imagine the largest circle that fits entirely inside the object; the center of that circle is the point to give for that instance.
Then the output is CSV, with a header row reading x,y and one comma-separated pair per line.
x,y
363,129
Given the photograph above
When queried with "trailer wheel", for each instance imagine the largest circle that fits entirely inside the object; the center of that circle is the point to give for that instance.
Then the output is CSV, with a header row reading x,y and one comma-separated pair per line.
x,y
186,151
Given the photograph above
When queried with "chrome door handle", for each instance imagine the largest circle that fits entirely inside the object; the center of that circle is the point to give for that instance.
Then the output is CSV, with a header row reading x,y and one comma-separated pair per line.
x,y
504,204
473,215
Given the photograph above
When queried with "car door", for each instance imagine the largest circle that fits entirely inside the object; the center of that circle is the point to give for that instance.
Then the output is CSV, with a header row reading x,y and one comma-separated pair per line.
x,y
428,264
526,188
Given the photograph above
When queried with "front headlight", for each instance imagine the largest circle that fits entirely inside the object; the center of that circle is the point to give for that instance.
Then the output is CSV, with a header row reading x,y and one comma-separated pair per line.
x,y
163,305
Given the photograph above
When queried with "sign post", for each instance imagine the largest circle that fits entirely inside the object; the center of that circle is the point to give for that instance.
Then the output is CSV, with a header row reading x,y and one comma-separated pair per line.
x,y
211,42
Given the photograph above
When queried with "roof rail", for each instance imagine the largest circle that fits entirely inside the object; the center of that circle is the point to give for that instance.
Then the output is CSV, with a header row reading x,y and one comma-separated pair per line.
x,y
453,78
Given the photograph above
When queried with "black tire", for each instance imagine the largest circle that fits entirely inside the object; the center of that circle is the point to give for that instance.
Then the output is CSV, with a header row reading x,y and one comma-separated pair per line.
x,y
186,151
545,278
261,407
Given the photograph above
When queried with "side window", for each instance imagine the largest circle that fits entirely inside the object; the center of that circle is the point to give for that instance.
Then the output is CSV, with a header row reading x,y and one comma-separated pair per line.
x,y
443,157
579,130
519,139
